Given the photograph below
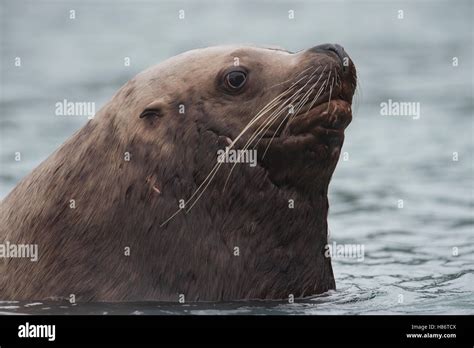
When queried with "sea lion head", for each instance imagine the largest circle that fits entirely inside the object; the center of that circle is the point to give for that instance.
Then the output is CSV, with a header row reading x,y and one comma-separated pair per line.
x,y
145,174
292,108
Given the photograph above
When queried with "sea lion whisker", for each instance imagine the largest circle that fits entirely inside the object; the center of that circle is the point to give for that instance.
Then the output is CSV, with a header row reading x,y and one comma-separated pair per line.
x,y
329,77
276,131
270,120
357,97
211,173
252,122
209,178
261,113
303,100
265,125
203,190
264,110
170,218
260,129
316,97
282,83
252,138
292,78
289,115
301,73
273,136
314,85
330,93
300,104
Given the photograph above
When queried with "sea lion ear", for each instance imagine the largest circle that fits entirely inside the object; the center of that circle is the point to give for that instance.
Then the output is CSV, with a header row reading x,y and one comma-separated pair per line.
x,y
154,109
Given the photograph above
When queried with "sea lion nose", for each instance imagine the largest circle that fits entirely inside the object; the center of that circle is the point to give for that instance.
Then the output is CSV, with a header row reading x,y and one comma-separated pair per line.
x,y
336,49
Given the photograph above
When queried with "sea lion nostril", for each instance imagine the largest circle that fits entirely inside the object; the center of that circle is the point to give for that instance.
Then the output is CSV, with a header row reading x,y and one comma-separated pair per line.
x,y
337,49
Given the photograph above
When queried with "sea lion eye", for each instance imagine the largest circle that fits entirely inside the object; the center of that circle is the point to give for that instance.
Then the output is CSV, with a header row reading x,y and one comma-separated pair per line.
x,y
150,113
235,79
153,110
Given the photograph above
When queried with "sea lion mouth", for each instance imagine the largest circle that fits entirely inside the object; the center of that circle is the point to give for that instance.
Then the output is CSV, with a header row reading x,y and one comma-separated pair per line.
x,y
304,149
326,122
304,154
324,117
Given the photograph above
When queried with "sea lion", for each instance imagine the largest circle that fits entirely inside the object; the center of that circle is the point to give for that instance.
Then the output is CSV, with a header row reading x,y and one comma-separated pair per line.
x,y
137,205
